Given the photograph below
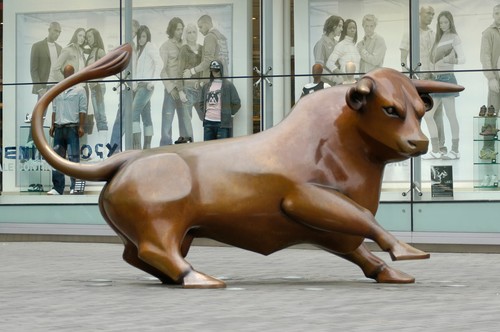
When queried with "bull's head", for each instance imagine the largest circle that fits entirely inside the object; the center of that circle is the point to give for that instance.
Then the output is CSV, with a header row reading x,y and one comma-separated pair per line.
x,y
390,108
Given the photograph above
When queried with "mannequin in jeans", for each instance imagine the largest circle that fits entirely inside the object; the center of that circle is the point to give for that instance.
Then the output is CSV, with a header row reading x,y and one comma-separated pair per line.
x,y
68,118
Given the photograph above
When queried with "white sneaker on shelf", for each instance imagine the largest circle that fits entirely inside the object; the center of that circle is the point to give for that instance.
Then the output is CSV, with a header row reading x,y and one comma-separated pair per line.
x,y
53,192
432,155
451,155
493,180
486,181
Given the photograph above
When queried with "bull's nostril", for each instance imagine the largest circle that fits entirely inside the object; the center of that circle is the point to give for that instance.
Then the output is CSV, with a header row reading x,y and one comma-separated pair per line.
x,y
418,144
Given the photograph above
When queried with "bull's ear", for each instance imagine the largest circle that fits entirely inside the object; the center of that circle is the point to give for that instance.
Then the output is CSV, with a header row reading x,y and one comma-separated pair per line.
x,y
428,101
356,95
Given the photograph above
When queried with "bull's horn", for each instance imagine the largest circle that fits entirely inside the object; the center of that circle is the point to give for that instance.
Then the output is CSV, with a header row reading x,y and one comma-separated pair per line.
x,y
425,86
356,95
364,86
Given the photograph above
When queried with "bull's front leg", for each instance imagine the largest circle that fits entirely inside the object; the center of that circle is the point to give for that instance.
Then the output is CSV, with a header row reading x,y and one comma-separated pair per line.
x,y
328,210
375,268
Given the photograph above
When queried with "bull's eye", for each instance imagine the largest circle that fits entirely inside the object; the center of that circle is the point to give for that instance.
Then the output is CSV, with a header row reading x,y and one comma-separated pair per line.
x,y
391,111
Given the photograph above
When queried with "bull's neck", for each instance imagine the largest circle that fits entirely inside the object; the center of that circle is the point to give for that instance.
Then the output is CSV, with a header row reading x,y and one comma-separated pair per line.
x,y
330,154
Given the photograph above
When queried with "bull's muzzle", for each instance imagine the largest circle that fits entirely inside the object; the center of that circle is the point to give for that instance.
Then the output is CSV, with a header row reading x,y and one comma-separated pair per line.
x,y
417,147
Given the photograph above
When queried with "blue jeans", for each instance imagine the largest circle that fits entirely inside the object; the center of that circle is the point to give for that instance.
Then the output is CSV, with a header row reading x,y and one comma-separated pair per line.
x,y
118,131
66,142
97,93
119,125
185,125
212,130
170,105
140,110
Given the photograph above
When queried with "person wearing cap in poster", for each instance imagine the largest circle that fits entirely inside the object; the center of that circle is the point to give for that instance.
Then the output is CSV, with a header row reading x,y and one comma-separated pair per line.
x,y
220,102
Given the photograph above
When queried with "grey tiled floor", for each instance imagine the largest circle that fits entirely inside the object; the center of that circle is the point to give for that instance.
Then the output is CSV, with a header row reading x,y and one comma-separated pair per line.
x,y
88,287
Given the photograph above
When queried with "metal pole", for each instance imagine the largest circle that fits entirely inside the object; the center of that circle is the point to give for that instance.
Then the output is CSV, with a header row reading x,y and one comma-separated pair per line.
x,y
126,94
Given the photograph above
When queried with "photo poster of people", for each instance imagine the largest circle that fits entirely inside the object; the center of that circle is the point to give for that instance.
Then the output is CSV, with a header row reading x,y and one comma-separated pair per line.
x,y
470,19
33,27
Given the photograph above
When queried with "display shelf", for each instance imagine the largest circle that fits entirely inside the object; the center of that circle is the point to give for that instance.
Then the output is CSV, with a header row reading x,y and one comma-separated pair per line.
x,y
35,175
486,148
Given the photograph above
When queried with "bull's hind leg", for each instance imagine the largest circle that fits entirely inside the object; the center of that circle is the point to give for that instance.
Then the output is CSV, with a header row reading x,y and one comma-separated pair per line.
x,y
162,249
131,256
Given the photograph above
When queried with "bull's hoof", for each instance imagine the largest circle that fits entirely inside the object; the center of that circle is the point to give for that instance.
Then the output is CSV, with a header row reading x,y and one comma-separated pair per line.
x,y
166,280
196,279
403,251
389,275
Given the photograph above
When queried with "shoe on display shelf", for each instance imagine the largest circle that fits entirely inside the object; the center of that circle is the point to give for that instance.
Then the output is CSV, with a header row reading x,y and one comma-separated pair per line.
x,y
488,130
487,154
493,181
35,187
491,111
182,140
486,181
482,110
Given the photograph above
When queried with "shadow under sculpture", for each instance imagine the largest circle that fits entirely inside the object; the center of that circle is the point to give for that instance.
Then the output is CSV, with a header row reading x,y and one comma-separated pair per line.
x,y
314,178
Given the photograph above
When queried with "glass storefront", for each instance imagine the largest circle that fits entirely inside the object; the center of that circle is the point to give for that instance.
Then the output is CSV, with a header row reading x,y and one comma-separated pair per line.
x,y
268,49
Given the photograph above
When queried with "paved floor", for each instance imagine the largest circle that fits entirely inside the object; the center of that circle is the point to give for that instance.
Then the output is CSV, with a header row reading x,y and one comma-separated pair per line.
x,y
87,287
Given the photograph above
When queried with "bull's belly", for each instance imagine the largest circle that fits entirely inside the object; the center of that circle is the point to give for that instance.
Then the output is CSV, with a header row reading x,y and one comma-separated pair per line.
x,y
257,236
268,235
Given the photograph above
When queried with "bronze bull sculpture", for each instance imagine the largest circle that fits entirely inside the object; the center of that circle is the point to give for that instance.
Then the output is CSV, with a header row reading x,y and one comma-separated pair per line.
x,y
314,178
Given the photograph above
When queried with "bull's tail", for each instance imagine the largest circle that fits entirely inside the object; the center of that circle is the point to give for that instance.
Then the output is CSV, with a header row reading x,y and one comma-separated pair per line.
x,y
113,63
